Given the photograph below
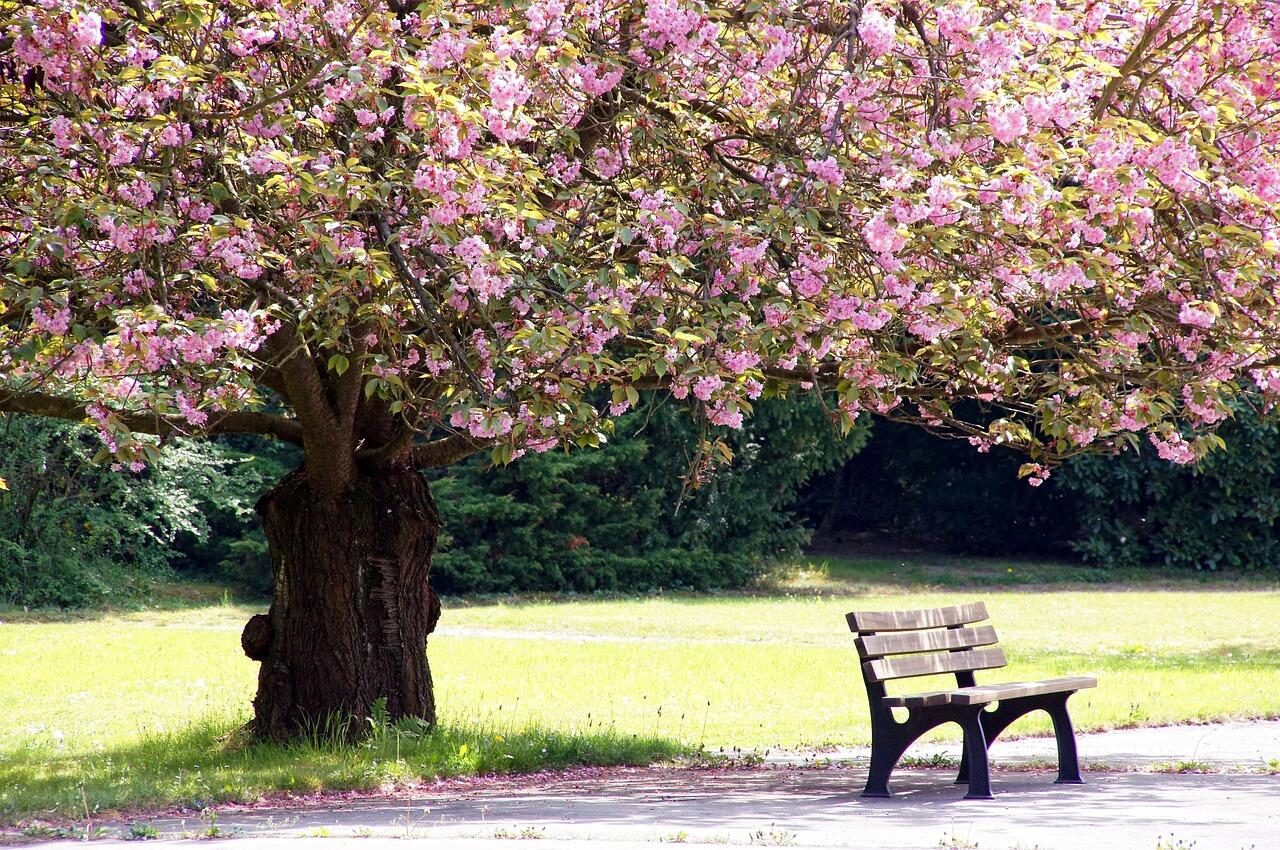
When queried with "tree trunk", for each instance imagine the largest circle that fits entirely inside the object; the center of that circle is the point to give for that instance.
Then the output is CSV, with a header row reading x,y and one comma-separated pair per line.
x,y
352,607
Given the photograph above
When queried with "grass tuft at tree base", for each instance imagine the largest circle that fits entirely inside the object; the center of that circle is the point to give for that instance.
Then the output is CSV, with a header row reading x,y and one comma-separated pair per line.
x,y
211,762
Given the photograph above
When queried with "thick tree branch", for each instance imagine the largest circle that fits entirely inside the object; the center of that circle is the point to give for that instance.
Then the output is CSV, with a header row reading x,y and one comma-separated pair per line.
x,y
302,381
349,384
327,439
446,451
236,422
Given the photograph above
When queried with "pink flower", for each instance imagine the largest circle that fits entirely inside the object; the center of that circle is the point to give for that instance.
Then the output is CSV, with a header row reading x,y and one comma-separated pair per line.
x,y
63,133
1173,447
608,162
704,388
545,15
882,237
743,256
740,361
827,170
876,31
596,83
262,163
86,32
1007,119
1196,316
508,89
482,423
471,250
55,325
138,193
723,416
189,411
666,23
174,135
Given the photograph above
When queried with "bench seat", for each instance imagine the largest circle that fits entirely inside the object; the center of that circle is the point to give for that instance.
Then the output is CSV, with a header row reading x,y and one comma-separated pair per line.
x,y
982,694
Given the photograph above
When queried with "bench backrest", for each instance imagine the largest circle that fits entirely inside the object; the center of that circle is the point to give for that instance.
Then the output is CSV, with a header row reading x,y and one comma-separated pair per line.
x,y
902,644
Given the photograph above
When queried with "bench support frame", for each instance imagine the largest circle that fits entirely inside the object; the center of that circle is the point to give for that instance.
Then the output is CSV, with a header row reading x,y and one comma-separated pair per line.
x,y
891,737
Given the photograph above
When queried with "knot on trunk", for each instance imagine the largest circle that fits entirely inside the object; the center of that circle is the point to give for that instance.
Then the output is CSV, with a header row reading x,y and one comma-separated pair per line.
x,y
433,610
256,637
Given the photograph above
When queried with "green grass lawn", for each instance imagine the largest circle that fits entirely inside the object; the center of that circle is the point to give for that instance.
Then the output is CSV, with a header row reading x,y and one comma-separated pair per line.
x,y
135,707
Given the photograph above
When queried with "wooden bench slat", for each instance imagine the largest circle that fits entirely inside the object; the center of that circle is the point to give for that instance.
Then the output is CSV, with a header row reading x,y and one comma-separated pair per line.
x,y
907,666
1010,690
901,643
919,700
925,618
991,693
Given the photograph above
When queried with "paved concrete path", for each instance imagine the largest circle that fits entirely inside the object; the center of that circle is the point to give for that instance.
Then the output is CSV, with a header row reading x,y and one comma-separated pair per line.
x,y
814,805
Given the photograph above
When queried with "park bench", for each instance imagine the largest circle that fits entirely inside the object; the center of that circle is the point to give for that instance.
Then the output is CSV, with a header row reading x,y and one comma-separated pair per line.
x,y
904,644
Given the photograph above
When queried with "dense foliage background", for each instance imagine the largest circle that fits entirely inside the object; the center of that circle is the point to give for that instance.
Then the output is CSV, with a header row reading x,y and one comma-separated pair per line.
x,y
1128,510
622,517
619,518
74,532
912,487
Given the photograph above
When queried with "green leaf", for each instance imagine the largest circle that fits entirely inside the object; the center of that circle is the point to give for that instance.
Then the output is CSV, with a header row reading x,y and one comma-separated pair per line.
x,y
339,363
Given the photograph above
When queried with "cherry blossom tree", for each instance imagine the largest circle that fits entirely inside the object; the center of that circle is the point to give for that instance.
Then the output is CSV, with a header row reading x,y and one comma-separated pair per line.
x,y
396,233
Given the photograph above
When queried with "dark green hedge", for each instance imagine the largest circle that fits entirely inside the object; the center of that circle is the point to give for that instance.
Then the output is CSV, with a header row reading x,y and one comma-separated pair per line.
x,y
1137,510
75,533
1120,511
910,487
619,518
612,519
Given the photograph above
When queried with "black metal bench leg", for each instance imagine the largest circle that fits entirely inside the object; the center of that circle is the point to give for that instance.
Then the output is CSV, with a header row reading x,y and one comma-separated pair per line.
x,y
975,751
1068,761
993,723
886,749
882,763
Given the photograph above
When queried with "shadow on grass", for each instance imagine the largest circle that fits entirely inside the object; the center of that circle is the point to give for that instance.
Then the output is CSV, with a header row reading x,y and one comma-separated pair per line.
x,y
825,574
820,573
209,762
913,569
163,597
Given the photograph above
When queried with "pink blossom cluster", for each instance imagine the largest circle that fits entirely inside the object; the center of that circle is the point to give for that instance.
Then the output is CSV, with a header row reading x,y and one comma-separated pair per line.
x,y
494,210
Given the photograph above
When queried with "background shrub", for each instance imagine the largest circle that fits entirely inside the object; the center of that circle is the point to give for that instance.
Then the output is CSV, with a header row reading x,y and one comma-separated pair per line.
x,y
1136,510
620,518
614,518
74,533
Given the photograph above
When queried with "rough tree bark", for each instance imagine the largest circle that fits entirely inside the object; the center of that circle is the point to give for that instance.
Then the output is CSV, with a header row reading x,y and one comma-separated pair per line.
x,y
352,605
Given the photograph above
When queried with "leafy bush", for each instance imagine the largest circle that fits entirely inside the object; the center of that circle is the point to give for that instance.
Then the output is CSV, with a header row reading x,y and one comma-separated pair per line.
x,y
1135,509
613,518
233,549
74,532
1122,511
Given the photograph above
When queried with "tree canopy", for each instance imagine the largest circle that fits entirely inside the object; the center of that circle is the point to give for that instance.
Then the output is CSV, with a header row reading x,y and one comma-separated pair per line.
x,y
419,229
